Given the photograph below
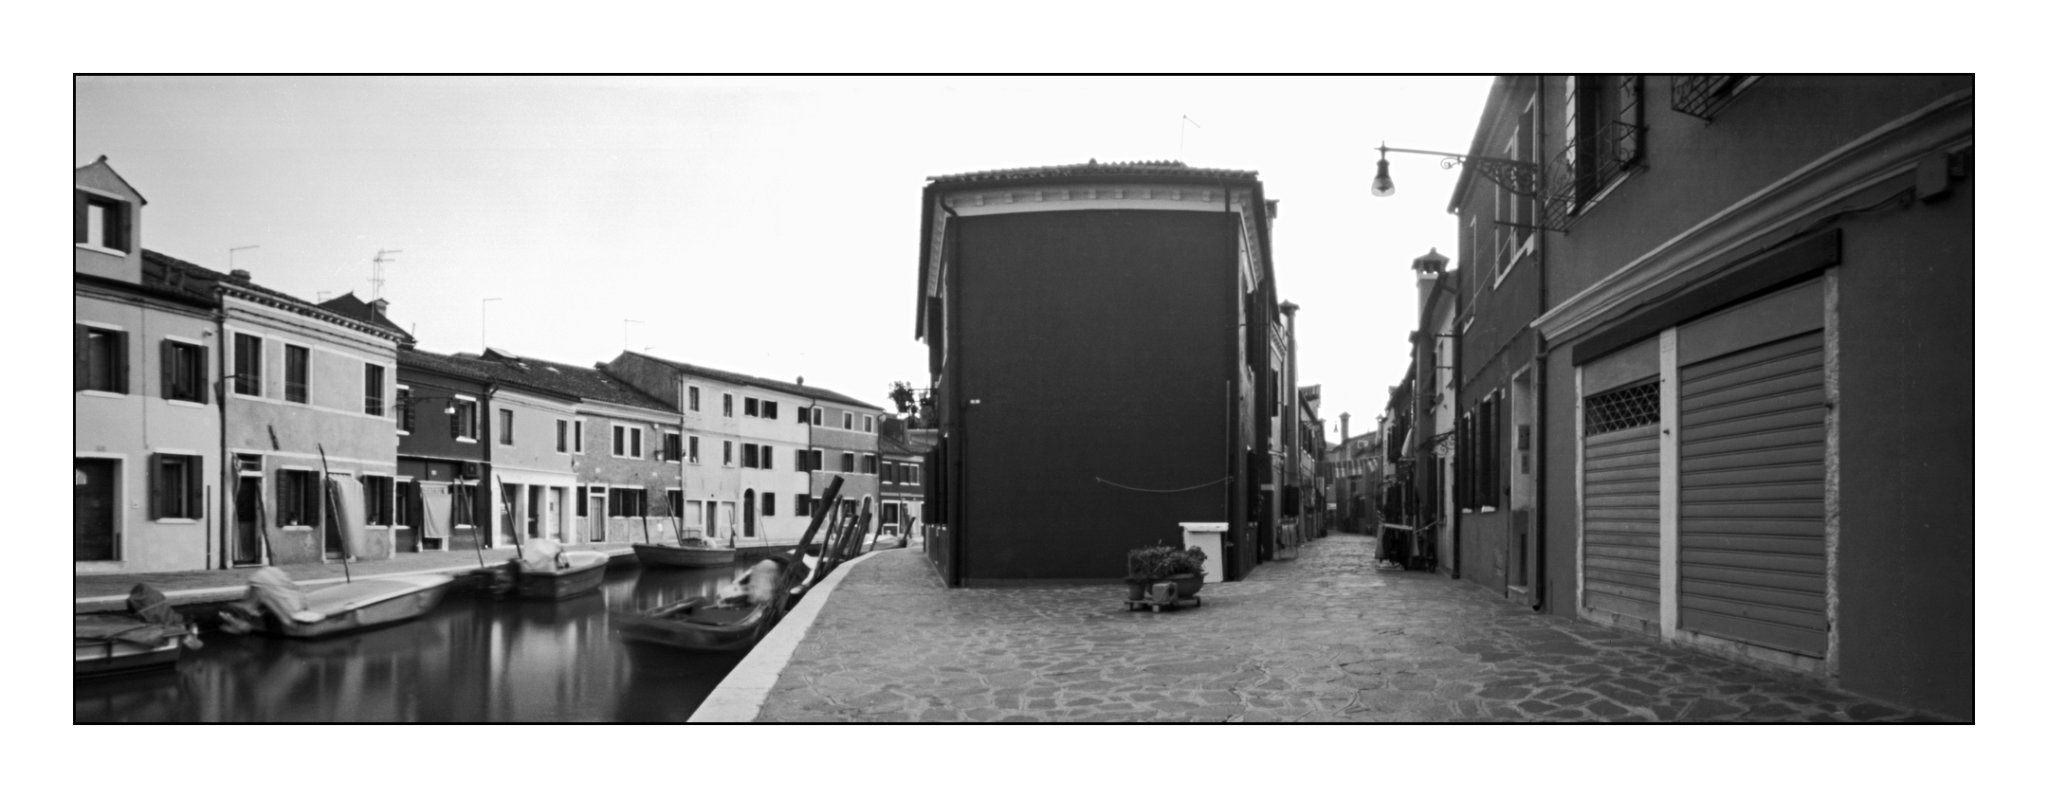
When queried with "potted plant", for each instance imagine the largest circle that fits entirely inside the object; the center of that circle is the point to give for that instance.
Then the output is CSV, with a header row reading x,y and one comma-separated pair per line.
x,y
1154,564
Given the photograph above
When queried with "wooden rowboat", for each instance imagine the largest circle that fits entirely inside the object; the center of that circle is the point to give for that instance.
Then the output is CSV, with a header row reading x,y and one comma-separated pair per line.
x,y
97,650
362,605
686,556
704,624
583,574
699,624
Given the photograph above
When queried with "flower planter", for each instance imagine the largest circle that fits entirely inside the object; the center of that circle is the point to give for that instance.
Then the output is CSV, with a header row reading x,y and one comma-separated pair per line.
x,y
1140,591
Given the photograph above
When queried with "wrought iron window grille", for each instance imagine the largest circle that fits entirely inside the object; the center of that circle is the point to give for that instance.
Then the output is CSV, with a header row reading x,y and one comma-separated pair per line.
x,y
1622,408
1581,170
1704,96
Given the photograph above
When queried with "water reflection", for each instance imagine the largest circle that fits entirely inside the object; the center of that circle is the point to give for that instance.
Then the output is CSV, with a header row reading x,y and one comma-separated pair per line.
x,y
475,659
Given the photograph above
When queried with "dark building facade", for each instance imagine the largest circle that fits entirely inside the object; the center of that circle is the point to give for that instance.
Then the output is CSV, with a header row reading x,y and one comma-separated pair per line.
x,y
1101,364
444,462
1715,365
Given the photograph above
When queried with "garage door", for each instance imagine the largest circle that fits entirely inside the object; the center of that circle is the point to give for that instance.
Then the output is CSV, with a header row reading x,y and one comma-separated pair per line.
x,y
1752,461
1621,506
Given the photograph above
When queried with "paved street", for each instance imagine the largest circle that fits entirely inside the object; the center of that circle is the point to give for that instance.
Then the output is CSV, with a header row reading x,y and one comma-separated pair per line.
x,y
1325,638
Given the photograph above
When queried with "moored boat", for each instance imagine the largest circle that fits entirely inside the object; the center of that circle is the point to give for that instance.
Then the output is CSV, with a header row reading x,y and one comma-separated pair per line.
x,y
735,621
582,573
150,635
278,607
694,553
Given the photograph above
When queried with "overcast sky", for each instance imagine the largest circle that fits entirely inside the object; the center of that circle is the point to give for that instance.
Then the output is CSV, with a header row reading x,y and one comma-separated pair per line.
x,y
766,226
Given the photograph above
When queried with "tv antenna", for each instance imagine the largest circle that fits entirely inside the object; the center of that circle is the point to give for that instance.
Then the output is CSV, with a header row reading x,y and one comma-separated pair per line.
x,y
1184,122
377,272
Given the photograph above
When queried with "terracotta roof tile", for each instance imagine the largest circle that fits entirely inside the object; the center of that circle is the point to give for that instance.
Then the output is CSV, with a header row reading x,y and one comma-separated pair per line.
x,y
737,378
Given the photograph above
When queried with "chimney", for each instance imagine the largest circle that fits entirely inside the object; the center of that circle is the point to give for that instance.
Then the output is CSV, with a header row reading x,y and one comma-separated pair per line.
x,y
239,275
1346,419
379,305
799,380
1428,269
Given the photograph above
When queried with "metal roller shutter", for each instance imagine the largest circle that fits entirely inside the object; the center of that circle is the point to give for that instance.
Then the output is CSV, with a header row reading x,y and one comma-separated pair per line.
x,y
1621,504
1752,461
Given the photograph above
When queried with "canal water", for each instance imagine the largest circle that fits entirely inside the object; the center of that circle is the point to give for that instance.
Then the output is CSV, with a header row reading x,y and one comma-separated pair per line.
x,y
475,659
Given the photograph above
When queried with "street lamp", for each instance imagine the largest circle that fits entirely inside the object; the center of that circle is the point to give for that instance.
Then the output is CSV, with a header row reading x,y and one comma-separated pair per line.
x,y
1519,177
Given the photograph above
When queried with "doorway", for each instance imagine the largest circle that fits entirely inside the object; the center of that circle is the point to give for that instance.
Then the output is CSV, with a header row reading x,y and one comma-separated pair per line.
x,y
94,493
749,517
248,548
553,518
534,501
597,516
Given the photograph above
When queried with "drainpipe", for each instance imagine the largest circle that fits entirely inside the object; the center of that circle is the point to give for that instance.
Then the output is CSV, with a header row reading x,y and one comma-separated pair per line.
x,y
1540,575
220,395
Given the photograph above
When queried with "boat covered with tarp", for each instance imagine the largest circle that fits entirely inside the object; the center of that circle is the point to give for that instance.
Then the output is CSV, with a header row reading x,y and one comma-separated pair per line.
x,y
276,605
544,570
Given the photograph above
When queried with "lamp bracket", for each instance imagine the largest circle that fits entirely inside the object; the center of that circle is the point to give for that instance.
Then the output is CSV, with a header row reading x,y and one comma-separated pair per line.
x,y
1524,178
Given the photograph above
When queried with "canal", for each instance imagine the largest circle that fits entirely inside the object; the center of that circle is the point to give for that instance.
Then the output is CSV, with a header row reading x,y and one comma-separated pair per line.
x,y
475,659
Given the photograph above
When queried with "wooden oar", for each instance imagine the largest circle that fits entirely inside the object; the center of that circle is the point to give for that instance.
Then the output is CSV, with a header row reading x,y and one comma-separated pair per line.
x,y
327,489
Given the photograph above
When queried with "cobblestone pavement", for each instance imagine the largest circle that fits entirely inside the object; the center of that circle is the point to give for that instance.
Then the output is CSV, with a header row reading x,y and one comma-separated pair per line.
x,y
1324,638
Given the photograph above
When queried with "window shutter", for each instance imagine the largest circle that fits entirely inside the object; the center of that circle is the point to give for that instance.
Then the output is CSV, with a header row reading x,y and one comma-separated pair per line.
x,y
79,370
195,486
284,503
454,421
77,216
117,226
204,377
120,362
167,368
156,485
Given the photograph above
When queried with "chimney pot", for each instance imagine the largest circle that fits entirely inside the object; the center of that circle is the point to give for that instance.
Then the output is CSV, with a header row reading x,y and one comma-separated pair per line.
x,y
240,275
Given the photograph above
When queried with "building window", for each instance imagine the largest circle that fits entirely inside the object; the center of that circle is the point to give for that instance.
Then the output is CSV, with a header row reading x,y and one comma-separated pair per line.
x,y
846,462
1480,455
298,498
912,476
693,399
1703,96
818,416
672,446
817,460
462,424
750,456
803,505
297,371
562,435
628,502
768,409
184,371
767,457
248,374
582,501
767,504
377,500
618,441
867,464
462,506
178,488
505,426
100,359
728,454
1514,213
803,415
693,448
373,389
845,419
404,406
576,438
635,440
889,513
675,503
1603,134
403,498
753,407
728,405
867,423
99,221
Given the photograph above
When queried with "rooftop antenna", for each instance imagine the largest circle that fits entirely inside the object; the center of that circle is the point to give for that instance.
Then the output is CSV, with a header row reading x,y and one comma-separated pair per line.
x,y
231,255
628,327
377,272
1184,122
